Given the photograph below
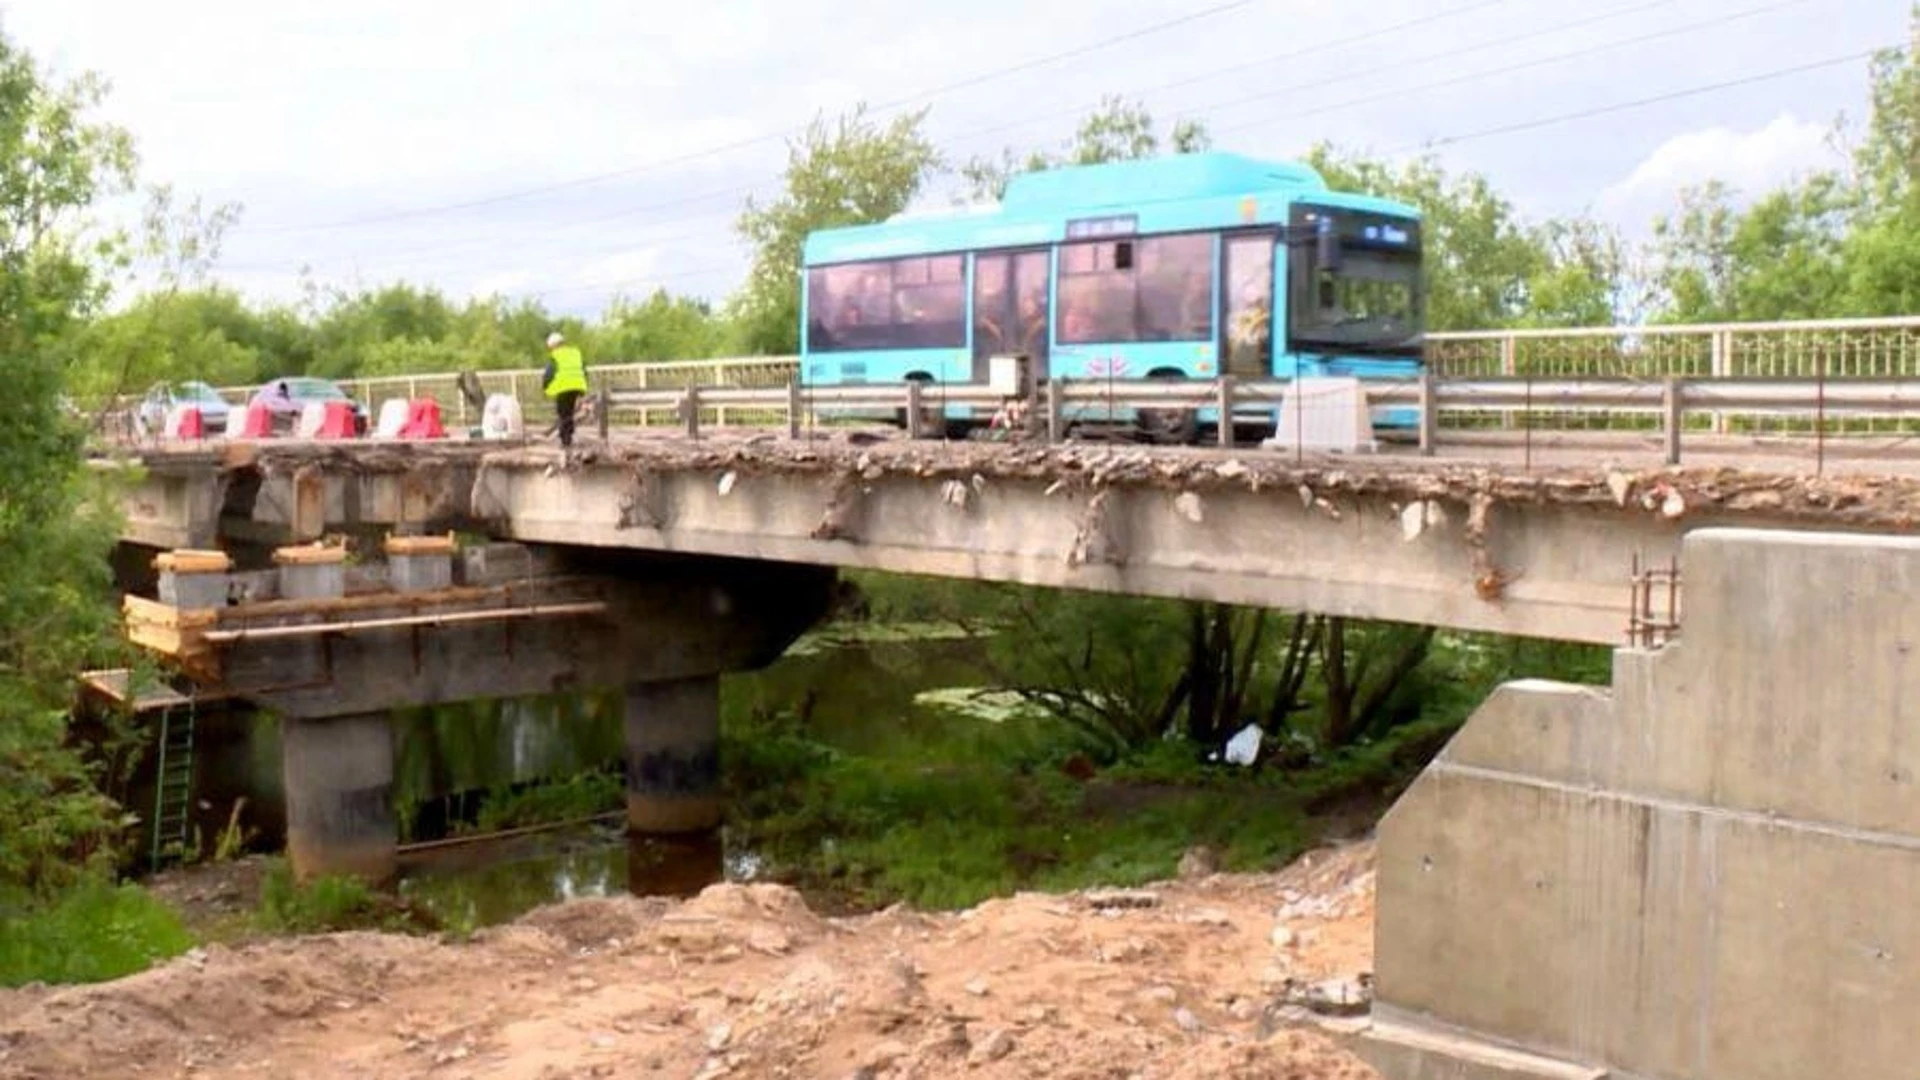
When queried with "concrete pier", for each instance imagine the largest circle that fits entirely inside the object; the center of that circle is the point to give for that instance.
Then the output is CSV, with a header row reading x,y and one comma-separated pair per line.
x,y
339,785
673,756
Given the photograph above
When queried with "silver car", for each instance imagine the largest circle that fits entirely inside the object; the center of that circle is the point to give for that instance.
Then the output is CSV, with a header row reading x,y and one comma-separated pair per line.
x,y
214,410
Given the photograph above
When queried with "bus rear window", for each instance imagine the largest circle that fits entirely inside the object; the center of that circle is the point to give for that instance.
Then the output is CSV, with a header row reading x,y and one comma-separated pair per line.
x,y
912,303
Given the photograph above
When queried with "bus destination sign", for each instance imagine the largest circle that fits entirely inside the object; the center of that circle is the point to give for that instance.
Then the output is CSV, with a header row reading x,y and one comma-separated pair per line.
x,y
1088,228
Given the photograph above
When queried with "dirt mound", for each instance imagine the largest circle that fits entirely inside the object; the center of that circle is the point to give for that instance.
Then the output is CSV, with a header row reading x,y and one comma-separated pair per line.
x,y
1186,978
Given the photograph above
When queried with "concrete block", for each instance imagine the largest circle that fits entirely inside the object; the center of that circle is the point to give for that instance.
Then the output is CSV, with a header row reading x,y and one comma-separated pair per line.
x,y
419,563
1324,414
193,579
312,572
419,573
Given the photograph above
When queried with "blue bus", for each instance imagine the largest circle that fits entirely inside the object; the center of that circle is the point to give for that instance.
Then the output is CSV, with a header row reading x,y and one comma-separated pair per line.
x,y
1177,267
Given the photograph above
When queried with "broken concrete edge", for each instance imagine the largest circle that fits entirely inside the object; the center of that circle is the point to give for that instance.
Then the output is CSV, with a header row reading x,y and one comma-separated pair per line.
x,y
1669,493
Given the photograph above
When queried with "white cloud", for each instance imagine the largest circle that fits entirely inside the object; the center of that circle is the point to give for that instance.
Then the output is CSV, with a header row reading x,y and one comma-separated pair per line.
x,y
317,113
1750,162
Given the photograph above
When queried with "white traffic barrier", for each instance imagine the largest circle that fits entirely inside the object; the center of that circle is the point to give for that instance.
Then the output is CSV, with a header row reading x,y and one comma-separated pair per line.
x,y
1327,413
393,417
500,419
312,419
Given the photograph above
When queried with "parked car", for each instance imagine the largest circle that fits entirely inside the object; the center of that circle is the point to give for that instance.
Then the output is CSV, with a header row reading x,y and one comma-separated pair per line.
x,y
286,398
152,413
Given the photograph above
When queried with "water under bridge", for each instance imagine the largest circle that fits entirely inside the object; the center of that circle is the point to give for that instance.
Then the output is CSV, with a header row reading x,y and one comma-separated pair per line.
x,y
1629,881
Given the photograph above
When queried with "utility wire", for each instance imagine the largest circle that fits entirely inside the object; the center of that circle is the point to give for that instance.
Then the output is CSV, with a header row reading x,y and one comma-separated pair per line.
x,y
429,251
1476,76
755,140
1623,106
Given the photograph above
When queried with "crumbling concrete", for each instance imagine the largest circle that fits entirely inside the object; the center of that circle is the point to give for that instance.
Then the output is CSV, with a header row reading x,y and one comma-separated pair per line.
x,y
1697,874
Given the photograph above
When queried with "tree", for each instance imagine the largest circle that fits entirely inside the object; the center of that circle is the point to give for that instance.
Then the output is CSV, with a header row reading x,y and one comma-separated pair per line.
x,y
54,583
851,172
661,327
1117,131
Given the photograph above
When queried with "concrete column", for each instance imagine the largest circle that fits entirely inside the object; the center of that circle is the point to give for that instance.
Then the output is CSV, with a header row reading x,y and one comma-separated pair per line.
x,y
339,784
673,755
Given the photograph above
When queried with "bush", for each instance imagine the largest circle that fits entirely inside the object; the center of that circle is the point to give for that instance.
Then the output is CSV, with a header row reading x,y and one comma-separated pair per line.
x,y
94,931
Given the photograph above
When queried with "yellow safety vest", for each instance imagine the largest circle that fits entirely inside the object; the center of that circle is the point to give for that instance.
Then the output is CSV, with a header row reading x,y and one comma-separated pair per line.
x,y
569,371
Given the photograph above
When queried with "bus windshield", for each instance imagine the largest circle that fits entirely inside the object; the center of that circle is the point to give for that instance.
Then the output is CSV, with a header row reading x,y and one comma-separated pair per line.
x,y
1368,298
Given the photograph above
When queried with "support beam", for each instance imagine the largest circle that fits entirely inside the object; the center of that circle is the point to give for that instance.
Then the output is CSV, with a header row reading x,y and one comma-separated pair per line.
x,y
673,756
339,785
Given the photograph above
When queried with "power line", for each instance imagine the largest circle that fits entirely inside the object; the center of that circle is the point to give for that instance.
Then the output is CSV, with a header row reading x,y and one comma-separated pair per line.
x,y
430,252
1623,106
1509,69
973,80
1295,53
446,250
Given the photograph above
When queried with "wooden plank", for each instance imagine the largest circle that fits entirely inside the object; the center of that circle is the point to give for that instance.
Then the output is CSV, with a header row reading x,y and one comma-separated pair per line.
x,y
421,545
190,561
310,555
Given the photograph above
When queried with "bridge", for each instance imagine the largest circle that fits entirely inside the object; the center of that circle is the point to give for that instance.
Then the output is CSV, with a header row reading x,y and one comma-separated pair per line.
x,y
1725,825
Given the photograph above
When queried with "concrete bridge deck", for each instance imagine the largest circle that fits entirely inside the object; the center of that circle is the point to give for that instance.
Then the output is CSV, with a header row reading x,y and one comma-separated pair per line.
x,y
1536,539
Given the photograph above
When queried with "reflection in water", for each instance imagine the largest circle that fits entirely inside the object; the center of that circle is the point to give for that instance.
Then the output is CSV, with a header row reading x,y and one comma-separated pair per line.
x,y
486,883
674,866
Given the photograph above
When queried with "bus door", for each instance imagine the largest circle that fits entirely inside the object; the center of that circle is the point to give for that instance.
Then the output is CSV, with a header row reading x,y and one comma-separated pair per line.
x,y
1010,309
1246,305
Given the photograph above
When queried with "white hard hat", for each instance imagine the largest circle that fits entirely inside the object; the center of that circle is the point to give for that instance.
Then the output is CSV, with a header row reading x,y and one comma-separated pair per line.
x,y
554,339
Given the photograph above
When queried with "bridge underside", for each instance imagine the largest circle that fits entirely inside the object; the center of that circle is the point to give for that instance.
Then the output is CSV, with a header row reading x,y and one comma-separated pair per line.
x,y
1544,554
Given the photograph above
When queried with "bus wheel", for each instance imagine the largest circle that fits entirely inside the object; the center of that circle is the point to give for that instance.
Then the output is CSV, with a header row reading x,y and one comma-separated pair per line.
x,y
1175,426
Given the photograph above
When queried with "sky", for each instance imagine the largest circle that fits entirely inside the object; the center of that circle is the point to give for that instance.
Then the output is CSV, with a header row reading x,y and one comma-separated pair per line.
x,y
575,150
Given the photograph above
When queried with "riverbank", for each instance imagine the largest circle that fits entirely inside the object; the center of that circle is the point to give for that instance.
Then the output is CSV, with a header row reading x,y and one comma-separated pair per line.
x,y
1200,976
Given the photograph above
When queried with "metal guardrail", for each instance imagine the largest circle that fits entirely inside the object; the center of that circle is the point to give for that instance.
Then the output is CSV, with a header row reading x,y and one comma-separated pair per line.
x,y
1051,408
1842,349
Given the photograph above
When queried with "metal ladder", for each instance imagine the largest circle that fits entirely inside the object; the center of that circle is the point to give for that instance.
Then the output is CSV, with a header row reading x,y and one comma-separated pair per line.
x,y
173,782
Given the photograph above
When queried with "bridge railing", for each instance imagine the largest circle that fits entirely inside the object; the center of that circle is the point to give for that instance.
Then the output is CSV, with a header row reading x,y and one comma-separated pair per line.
x,y
1807,349
1666,405
1811,350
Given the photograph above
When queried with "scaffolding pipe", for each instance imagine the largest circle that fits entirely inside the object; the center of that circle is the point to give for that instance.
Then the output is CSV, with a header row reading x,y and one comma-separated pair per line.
x,y
266,633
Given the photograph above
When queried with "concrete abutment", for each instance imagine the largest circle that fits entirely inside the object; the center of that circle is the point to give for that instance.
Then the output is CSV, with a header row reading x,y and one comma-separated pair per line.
x,y
1700,873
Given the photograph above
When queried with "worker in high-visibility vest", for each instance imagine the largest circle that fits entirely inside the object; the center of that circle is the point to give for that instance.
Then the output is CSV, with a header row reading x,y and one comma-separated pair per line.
x,y
565,381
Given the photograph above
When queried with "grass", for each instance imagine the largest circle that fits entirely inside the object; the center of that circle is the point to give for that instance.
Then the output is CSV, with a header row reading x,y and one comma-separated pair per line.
x,y
332,903
991,809
96,931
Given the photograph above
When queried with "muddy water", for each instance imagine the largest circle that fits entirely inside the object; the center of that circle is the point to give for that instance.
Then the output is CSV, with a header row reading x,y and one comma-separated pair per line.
x,y
858,693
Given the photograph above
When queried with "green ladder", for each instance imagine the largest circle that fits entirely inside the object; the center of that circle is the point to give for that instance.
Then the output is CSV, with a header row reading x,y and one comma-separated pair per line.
x,y
173,782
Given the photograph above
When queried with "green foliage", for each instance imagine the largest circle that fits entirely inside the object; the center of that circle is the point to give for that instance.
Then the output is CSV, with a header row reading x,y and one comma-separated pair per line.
x,y
55,528
851,172
95,931
572,799
318,906
1119,130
